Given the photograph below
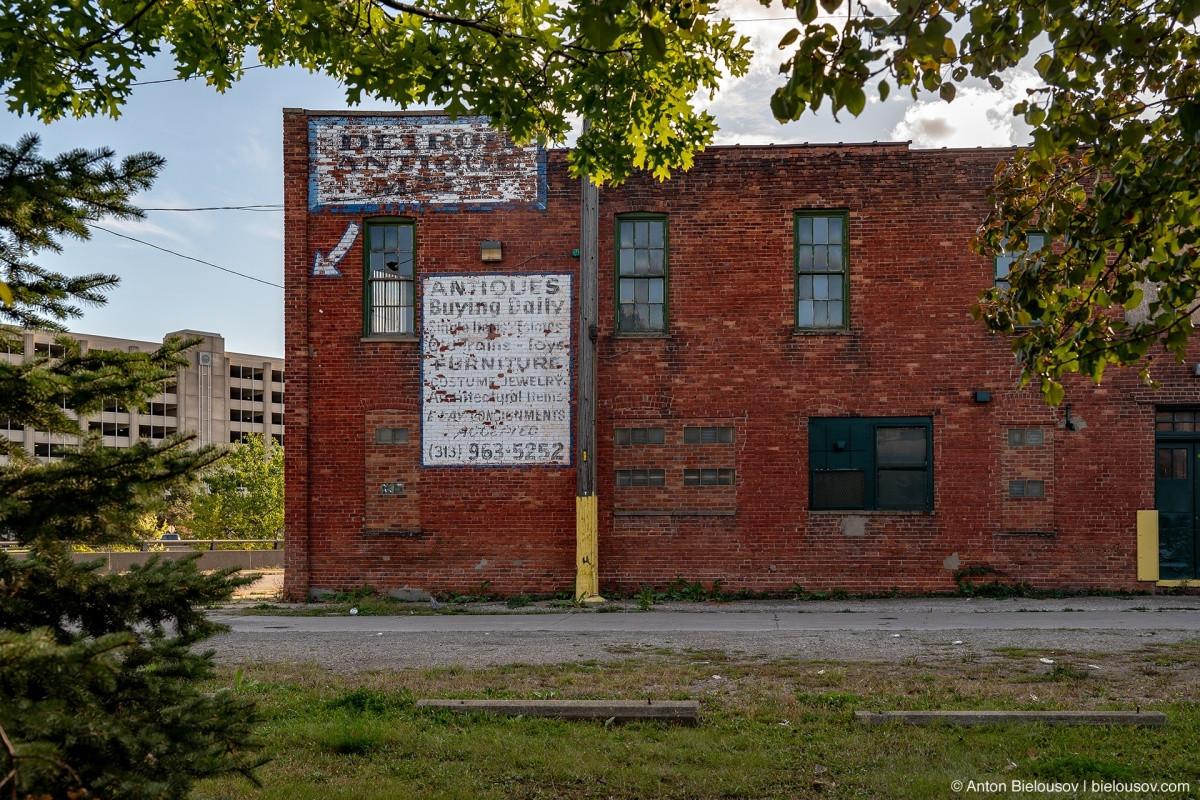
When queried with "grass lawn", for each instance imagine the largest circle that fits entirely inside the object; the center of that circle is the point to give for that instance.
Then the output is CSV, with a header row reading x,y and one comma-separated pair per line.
x,y
777,729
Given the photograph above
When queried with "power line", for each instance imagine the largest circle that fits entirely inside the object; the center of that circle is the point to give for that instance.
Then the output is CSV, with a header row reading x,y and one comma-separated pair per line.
x,y
189,258
189,78
257,207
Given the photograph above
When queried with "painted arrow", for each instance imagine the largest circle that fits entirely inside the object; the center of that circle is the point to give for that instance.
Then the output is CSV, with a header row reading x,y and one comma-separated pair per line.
x,y
326,265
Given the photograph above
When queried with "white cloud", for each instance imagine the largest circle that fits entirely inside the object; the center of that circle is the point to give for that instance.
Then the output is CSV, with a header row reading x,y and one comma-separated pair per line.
x,y
978,117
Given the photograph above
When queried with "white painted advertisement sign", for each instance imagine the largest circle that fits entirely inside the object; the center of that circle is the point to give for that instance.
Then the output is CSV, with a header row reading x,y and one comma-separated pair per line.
x,y
420,161
496,370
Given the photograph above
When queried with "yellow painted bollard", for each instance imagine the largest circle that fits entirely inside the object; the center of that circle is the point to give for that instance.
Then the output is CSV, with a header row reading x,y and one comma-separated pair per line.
x,y
587,569
1147,545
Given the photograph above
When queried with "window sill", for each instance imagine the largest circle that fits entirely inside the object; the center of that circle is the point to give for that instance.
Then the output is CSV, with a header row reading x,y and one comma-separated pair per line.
x,y
646,335
394,534
870,512
673,513
822,332
391,337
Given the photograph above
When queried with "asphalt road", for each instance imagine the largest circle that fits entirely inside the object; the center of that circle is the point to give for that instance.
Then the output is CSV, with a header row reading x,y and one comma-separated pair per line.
x,y
871,630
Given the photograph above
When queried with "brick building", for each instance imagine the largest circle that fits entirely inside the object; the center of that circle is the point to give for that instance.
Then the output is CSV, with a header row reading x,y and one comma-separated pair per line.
x,y
790,387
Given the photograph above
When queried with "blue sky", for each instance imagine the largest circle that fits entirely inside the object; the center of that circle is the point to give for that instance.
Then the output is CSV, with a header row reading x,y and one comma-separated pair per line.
x,y
225,150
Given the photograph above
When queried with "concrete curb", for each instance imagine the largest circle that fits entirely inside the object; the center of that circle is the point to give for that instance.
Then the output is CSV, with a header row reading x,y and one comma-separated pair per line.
x,y
1144,719
679,712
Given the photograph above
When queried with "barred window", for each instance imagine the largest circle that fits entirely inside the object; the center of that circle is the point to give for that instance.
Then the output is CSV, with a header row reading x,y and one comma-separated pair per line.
x,y
389,275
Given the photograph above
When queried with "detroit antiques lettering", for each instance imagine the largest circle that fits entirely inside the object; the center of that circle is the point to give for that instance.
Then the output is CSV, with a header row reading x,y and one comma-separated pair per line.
x,y
419,162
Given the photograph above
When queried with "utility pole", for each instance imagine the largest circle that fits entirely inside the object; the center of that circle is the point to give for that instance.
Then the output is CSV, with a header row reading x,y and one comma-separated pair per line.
x,y
587,570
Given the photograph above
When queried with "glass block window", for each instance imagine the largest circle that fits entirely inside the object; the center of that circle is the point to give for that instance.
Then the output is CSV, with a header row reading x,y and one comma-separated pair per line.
x,y
391,436
821,269
722,434
1005,261
641,274
1026,437
1026,488
641,477
630,436
883,463
389,303
708,477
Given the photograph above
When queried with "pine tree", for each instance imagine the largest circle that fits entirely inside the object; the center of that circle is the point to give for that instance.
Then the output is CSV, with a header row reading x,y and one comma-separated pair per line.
x,y
99,677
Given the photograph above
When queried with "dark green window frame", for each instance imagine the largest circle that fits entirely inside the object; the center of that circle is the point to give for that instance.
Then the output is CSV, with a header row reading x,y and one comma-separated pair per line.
x,y
870,463
389,277
641,248
822,269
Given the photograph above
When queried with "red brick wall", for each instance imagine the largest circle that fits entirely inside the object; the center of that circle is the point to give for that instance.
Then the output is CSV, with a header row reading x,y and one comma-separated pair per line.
x,y
732,358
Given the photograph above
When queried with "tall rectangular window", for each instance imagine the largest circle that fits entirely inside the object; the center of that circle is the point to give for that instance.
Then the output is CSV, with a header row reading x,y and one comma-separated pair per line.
x,y
641,274
822,282
1004,262
883,463
388,294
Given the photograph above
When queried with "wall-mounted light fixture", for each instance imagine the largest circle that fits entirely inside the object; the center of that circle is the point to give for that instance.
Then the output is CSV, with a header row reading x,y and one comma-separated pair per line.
x,y
491,251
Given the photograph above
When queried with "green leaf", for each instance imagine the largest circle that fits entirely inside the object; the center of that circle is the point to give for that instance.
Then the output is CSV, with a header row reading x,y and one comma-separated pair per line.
x,y
947,92
784,105
654,41
806,10
831,6
1052,392
6,295
854,99
884,90
1189,119
789,38
599,27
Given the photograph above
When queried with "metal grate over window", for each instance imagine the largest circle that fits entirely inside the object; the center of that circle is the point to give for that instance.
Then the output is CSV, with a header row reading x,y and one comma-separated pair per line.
x,y
389,278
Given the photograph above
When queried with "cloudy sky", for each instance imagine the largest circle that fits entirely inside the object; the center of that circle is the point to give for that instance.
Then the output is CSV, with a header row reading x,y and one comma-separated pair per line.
x,y
225,150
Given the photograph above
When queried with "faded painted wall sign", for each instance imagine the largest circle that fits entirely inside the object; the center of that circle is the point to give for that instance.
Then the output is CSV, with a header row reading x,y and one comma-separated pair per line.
x,y
325,266
363,164
496,370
